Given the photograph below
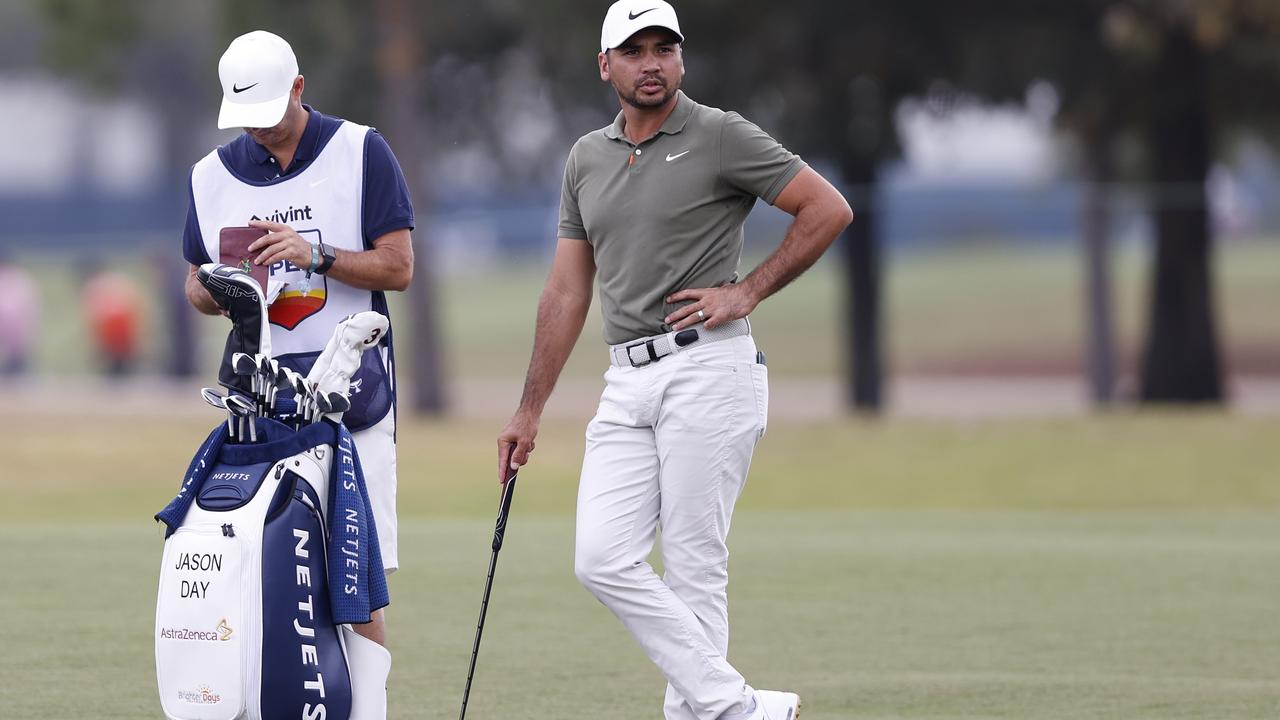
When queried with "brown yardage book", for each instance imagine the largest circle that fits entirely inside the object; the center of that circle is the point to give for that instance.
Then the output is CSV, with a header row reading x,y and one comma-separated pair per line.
x,y
233,247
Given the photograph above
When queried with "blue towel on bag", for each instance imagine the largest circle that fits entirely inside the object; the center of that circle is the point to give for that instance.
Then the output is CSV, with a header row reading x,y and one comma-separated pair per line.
x,y
201,465
357,580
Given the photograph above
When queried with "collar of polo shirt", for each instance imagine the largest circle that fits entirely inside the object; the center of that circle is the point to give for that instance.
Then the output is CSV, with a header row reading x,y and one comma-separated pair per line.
x,y
675,121
306,146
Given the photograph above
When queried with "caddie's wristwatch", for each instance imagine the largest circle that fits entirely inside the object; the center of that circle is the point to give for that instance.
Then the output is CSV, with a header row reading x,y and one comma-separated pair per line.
x,y
327,257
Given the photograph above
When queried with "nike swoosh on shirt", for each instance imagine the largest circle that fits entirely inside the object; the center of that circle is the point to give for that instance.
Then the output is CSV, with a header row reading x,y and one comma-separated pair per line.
x,y
320,181
633,16
238,90
677,156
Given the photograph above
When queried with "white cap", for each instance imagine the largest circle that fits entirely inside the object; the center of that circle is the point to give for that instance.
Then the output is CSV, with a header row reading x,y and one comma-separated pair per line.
x,y
628,17
257,73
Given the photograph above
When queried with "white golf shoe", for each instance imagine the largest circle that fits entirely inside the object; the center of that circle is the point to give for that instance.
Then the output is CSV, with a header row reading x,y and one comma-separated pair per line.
x,y
775,705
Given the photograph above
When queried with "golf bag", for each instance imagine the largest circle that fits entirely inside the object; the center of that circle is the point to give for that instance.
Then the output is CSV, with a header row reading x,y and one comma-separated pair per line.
x,y
271,550
253,591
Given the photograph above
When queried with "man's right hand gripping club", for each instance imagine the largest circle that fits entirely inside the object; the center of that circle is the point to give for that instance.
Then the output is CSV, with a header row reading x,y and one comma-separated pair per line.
x,y
515,443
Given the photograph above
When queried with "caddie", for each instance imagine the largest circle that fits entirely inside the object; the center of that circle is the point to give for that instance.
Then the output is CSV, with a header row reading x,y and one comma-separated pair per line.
x,y
653,207
336,211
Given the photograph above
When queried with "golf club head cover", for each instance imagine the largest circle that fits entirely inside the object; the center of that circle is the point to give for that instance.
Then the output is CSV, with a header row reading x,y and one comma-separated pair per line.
x,y
369,664
235,291
340,358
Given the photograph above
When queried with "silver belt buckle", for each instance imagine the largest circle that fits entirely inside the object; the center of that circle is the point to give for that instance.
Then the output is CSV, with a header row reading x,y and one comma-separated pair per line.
x,y
648,346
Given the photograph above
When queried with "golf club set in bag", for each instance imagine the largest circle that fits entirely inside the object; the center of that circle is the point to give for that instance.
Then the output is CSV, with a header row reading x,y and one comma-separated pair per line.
x,y
271,551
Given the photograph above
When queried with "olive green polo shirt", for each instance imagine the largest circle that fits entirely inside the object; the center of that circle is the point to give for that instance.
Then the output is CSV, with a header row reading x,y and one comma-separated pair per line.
x,y
667,214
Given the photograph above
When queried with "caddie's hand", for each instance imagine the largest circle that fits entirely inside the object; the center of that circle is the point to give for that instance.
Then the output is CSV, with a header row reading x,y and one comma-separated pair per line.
x,y
280,243
713,306
515,443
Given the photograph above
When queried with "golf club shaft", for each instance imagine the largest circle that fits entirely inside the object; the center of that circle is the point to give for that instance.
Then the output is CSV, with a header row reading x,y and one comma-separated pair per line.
x,y
500,529
475,647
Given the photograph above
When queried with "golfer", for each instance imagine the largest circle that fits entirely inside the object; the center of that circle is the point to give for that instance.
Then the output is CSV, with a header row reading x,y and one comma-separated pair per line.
x,y
333,203
652,208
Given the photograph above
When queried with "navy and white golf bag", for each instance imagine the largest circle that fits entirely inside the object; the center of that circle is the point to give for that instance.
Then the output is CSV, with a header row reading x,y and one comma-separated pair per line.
x,y
255,584
271,550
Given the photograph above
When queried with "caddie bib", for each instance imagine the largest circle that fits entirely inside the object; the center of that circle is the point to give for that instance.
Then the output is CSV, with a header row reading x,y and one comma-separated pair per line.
x,y
323,201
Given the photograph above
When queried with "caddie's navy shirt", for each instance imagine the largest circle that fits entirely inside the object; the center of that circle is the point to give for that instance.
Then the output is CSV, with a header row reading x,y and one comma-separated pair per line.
x,y
387,206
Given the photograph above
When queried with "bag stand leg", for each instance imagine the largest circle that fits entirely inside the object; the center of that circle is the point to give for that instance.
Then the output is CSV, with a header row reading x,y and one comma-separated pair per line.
x,y
369,664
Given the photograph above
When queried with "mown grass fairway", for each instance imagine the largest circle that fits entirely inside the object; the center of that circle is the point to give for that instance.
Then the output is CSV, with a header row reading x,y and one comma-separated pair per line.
x,y
1115,567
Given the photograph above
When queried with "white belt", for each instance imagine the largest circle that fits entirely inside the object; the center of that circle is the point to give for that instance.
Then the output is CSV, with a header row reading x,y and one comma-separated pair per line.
x,y
639,353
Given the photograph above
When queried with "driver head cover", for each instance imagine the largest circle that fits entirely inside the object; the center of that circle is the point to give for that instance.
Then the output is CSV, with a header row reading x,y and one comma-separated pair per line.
x,y
235,291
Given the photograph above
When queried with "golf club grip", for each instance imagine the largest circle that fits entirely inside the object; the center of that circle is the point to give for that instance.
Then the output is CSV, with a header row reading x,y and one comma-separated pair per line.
x,y
504,509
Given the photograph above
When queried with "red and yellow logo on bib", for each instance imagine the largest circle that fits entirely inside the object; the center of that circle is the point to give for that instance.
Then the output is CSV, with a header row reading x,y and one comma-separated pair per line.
x,y
295,305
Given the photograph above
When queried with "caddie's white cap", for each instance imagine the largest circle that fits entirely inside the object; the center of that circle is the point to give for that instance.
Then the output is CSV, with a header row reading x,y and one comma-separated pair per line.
x,y
257,73
628,17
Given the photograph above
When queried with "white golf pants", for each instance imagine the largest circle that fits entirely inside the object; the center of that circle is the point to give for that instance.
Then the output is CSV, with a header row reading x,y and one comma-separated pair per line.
x,y
377,448
670,447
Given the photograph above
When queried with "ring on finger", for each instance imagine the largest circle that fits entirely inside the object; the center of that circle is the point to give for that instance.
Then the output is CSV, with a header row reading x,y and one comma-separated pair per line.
x,y
702,315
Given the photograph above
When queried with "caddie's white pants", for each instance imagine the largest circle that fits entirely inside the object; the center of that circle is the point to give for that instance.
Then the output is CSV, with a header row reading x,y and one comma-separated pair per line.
x,y
377,448
670,447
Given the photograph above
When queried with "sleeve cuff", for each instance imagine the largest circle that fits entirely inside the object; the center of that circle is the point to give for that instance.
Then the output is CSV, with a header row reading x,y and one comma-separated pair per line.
x,y
792,170
391,226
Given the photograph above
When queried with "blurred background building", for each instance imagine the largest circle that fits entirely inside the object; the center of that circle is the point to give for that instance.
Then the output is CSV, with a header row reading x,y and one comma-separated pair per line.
x,y
1059,203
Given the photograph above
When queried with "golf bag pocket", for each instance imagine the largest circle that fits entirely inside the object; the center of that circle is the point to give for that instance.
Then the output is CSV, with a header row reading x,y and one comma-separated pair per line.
x,y
202,619
304,667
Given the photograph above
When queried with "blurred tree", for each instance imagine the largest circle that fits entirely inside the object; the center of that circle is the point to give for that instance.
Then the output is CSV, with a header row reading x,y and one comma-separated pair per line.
x,y
91,39
1207,65
830,75
128,48
1180,77
399,64
1004,51
1133,70
1181,362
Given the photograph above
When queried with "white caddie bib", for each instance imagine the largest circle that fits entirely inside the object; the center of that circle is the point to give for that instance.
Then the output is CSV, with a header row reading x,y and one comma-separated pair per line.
x,y
321,202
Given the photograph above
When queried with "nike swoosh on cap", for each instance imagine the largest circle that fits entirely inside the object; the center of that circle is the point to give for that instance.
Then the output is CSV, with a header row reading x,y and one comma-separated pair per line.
x,y
235,89
633,16
677,156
